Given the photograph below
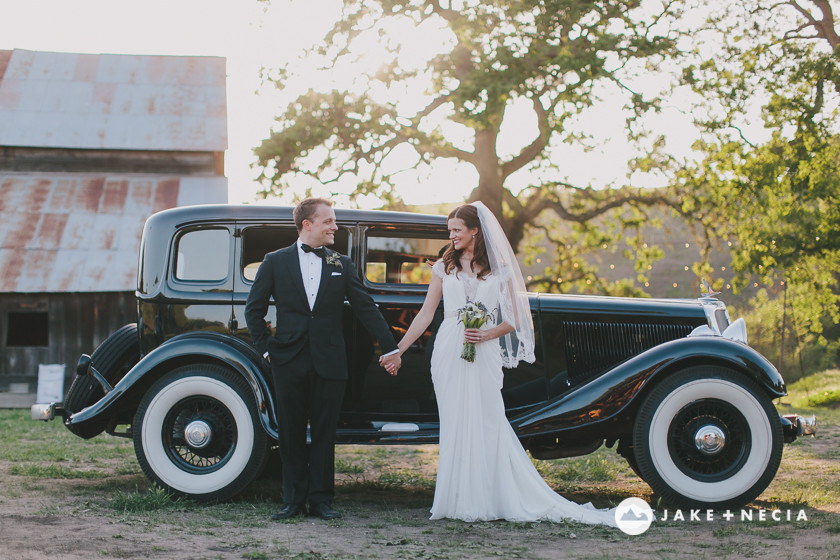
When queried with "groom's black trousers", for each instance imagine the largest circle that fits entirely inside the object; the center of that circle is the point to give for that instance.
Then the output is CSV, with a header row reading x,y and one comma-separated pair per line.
x,y
305,397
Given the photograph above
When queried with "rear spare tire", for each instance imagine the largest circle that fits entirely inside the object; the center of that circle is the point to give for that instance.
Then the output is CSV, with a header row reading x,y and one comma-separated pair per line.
x,y
113,358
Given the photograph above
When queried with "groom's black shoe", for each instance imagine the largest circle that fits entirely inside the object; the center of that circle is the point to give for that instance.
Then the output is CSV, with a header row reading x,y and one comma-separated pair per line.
x,y
324,511
289,511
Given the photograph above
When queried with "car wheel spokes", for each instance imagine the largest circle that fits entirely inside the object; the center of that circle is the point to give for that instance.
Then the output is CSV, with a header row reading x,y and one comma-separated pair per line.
x,y
709,440
199,434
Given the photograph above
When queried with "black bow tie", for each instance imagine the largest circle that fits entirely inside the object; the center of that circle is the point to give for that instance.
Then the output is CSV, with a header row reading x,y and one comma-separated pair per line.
x,y
320,251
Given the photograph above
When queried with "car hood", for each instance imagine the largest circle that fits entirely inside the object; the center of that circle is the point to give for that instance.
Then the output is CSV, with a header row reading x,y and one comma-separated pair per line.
x,y
623,306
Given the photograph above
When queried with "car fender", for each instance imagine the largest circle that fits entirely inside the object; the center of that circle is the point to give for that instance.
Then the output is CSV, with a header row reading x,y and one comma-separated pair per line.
x,y
179,350
607,396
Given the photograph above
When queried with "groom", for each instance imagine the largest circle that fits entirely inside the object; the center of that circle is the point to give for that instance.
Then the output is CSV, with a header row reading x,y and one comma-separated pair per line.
x,y
308,361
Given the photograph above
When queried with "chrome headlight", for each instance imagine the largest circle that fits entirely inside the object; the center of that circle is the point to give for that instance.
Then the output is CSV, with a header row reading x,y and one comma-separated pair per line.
x,y
736,331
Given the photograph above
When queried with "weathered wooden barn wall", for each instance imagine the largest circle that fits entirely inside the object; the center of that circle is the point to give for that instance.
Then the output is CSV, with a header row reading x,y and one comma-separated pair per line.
x,y
76,324
91,145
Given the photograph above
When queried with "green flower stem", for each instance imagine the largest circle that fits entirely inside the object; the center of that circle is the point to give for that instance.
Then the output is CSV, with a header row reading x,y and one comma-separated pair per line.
x,y
468,353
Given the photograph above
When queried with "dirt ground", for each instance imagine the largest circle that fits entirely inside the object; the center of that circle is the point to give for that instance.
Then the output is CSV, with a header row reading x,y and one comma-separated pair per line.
x,y
72,518
75,535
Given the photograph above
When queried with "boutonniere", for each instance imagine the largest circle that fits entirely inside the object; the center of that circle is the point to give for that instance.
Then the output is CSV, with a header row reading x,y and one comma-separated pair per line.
x,y
333,259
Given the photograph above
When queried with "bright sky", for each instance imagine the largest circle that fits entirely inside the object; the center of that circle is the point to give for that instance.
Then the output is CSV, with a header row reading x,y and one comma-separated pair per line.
x,y
249,37
227,28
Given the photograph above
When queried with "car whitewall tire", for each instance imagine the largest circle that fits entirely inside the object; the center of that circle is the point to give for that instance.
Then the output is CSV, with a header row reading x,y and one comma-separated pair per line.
x,y
708,437
200,400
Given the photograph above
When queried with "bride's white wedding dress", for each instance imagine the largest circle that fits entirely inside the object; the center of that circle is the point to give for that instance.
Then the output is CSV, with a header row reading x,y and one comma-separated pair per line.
x,y
483,471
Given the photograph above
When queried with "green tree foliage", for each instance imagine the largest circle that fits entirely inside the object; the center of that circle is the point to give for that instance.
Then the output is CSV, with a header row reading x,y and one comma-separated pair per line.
x,y
766,177
555,56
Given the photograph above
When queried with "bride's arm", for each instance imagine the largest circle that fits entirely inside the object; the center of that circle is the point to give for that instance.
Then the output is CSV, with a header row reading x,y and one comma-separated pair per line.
x,y
424,317
481,335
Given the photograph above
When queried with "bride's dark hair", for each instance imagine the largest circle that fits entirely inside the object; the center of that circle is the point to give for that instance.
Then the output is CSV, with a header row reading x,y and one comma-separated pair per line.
x,y
452,256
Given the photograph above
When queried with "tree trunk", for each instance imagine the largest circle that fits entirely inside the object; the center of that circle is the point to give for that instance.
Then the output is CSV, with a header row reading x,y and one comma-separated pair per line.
x,y
490,189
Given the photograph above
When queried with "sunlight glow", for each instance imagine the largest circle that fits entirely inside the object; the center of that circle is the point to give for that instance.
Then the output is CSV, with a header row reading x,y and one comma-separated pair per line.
x,y
256,37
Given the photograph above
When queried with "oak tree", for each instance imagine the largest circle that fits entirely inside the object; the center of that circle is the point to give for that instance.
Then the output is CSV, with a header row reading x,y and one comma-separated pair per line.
x,y
558,57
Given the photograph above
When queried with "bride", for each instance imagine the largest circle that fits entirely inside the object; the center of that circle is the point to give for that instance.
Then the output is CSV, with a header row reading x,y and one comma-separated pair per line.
x,y
483,471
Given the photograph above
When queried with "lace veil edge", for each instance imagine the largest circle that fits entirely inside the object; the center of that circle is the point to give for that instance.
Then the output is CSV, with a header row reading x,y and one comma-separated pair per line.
x,y
517,345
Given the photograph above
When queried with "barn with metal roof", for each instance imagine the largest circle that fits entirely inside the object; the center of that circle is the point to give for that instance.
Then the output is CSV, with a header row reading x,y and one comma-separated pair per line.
x,y
90,146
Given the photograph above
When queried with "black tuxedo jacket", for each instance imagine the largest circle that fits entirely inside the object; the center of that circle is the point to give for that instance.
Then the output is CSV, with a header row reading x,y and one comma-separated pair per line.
x,y
319,330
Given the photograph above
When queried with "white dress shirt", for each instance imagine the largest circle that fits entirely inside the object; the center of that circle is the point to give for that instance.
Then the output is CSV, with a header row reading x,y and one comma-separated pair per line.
x,y
310,270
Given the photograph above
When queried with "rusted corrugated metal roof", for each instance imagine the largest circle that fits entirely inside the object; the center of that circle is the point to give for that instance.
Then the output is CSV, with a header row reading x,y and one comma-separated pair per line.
x,y
63,232
109,101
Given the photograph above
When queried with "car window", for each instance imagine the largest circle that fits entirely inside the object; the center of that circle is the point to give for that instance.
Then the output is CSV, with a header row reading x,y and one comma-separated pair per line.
x,y
402,258
203,255
257,241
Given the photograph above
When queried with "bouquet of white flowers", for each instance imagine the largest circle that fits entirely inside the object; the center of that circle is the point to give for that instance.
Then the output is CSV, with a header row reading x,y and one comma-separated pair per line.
x,y
474,315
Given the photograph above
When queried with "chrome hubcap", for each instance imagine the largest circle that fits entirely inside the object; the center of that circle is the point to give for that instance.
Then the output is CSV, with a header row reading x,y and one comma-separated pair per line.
x,y
709,440
198,434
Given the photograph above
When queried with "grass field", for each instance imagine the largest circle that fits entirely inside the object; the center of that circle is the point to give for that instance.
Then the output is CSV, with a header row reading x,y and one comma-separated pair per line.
x,y
63,497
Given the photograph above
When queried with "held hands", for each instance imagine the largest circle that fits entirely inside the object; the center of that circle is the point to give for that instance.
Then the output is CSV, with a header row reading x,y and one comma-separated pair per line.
x,y
391,363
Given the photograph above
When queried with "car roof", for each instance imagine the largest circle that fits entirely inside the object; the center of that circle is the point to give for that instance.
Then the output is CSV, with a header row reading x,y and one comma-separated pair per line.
x,y
176,217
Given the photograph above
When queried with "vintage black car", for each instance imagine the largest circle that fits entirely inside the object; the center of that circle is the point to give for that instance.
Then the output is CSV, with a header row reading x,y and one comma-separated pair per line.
x,y
671,384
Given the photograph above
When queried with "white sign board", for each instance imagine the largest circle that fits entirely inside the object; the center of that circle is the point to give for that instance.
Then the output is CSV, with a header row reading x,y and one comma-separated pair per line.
x,y
50,383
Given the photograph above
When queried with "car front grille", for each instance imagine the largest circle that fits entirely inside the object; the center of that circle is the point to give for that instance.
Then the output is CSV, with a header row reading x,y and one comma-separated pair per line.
x,y
592,346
